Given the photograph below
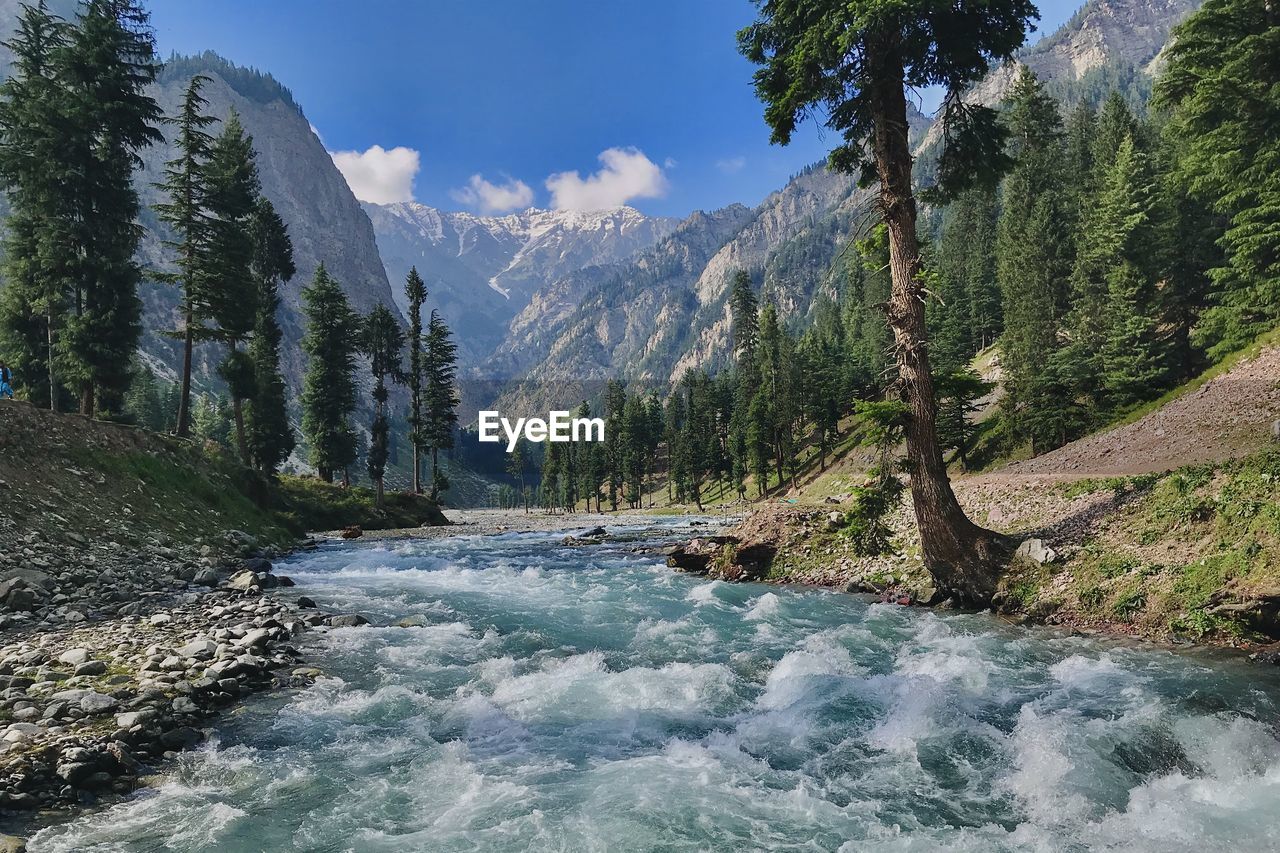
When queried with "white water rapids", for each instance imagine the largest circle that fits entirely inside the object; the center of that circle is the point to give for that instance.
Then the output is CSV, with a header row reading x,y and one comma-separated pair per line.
x,y
590,699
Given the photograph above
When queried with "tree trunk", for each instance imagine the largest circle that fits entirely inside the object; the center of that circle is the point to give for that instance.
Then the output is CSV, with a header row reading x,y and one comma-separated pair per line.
x,y
86,399
242,443
417,470
435,463
964,559
184,399
237,411
53,384
326,474
378,492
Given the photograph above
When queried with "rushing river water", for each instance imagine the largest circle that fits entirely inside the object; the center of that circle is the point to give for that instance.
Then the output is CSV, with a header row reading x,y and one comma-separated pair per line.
x,y
579,699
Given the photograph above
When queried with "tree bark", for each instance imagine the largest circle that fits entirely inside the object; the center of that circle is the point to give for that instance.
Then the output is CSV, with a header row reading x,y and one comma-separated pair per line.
x,y
184,399
53,384
965,560
237,410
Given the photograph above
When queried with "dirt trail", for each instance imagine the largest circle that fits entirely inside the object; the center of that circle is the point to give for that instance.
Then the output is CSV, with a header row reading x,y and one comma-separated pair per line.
x,y
1230,415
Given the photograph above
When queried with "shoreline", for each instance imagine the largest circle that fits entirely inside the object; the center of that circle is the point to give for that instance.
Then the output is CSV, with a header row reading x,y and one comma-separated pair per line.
x,y
120,665
91,709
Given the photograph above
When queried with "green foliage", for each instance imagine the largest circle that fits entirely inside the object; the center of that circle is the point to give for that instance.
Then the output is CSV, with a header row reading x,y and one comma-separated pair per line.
x,y
1223,83
270,435
439,396
833,58
866,524
383,342
308,504
329,393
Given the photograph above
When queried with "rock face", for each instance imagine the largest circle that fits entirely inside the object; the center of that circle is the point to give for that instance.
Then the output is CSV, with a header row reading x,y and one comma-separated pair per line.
x,y
481,271
325,222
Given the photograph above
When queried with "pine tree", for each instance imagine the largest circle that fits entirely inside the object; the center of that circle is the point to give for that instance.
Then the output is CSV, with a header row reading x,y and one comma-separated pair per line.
x,y
1033,248
440,367
416,292
270,433
1222,77
615,402
232,287
851,62
383,342
107,64
1116,276
329,391
34,299
958,392
186,184
745,329
517,465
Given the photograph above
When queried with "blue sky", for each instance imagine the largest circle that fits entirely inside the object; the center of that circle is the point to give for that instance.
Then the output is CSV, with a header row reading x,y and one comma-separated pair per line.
x,y
502,103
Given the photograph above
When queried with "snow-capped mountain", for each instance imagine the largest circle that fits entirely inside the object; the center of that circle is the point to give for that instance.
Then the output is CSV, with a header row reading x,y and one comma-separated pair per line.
x,y
481,271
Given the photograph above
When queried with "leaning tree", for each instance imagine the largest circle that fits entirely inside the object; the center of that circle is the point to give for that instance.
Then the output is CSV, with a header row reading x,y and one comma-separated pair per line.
x,y
850,64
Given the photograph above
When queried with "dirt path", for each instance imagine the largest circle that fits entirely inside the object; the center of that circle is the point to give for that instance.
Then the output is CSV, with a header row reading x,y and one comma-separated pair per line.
x,y
1228,416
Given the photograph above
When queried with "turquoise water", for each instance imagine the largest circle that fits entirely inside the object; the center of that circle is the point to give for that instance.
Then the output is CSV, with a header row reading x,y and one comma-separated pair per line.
x,y
582,699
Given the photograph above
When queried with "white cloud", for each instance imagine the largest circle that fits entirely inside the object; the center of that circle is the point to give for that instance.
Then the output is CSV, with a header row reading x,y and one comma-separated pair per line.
x,y
731,165
494,198
626,174
378,175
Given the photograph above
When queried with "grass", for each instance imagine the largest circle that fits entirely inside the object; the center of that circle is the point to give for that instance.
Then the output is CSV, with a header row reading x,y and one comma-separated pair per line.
x,y
1215,528
307,503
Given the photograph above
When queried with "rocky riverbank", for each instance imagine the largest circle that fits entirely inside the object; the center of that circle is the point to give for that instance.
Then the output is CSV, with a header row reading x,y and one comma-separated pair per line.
x,y
112,662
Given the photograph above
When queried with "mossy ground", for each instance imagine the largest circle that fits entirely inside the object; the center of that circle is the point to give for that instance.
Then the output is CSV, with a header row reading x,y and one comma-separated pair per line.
x,y
1184,542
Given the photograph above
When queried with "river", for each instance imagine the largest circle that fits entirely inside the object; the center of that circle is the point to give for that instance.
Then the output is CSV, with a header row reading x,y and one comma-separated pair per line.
x,y
583,699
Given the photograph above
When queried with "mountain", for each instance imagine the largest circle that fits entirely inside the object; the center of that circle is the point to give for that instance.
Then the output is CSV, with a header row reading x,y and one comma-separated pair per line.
x,y
652,318
481,271
1102,35
325,222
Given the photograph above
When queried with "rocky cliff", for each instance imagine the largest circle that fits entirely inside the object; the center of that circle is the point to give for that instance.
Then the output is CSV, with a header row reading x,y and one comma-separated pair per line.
x,y
481,271
325,222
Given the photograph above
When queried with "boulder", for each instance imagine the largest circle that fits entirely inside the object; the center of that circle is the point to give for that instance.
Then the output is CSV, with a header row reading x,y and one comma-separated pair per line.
x,y
256,637
257,564
91,667
75,657
98,703
206,577
129,719
1035,551
306,603
352,532
347,620
199,649
415,621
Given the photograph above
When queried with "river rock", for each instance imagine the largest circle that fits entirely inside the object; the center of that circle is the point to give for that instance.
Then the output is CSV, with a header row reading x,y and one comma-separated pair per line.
x,y
205,577
97,703
75,657
347,620
199,649
1035,551
256,637
129,719
91,667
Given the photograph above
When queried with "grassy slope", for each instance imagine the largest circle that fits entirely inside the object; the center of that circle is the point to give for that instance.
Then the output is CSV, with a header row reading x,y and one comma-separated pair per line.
x,y
1178,545
66,477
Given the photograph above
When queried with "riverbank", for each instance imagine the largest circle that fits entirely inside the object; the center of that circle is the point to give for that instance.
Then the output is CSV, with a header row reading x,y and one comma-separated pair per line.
x,y
513,693
1191,556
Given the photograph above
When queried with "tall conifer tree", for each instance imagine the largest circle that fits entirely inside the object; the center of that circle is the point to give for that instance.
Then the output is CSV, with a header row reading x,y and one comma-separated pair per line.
x,y
329,390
